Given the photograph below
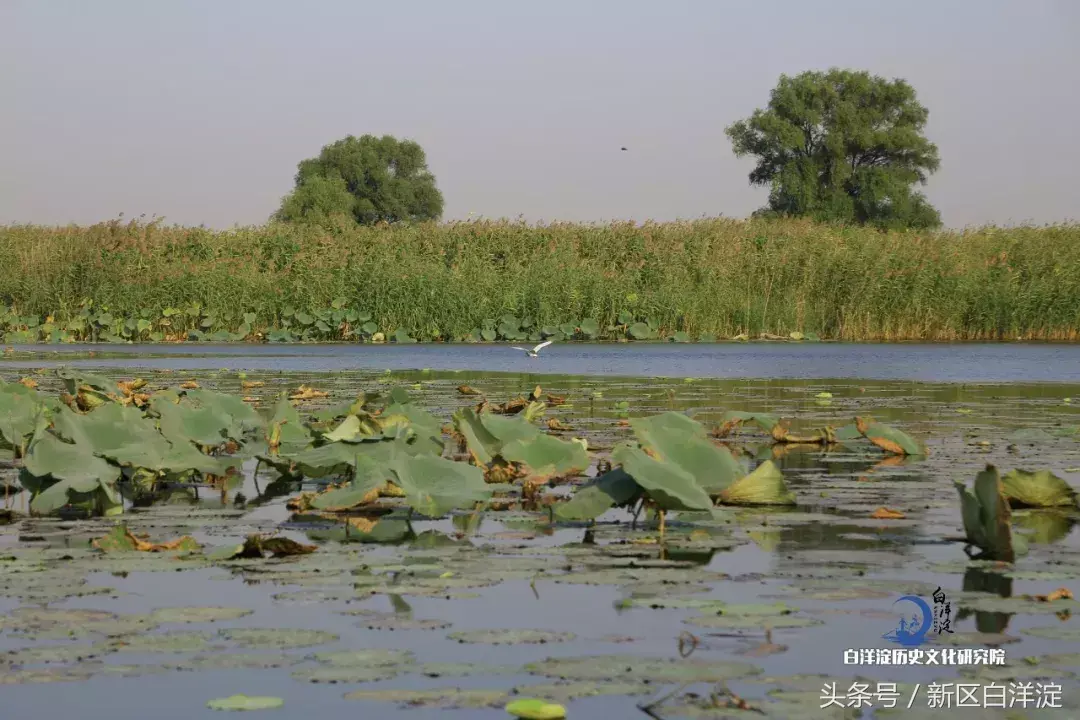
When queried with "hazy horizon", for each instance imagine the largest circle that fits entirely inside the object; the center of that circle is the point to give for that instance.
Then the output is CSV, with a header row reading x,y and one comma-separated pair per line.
x,y
200,111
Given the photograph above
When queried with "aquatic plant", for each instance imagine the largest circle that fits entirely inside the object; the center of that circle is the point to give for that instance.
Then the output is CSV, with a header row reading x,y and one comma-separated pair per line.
x,y
503,281
987,517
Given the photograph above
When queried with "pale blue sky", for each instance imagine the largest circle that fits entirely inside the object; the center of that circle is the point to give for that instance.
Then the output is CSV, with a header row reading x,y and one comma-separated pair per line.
x,y
199,110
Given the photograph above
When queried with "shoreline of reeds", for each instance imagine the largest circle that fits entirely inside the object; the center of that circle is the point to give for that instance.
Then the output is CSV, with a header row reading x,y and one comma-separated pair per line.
x,y
691,281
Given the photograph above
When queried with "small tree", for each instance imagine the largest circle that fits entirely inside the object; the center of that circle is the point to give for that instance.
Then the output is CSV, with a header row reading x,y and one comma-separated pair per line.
x,y
368,179
841,146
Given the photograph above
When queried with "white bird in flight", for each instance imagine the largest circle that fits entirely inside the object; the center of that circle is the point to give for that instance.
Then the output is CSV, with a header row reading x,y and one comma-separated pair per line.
x,y
535,351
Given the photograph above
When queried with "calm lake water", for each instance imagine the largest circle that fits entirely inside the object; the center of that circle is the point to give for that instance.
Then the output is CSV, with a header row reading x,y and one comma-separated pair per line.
x,y
929,363
827,558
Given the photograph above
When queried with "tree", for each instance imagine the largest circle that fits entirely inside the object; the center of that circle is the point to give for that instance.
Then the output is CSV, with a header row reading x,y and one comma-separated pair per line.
x,y
368,179
841,146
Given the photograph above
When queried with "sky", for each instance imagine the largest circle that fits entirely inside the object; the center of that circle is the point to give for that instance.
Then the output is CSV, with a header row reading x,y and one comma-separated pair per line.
x,y
199,110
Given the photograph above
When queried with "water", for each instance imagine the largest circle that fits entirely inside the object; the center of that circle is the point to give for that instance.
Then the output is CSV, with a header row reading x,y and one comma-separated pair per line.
x,y
966,401
927,363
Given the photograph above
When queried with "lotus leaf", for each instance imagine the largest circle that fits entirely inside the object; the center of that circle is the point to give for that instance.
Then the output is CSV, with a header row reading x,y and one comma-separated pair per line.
x,y
238,661
277,638
668,485
889,438
1037,489
546,456
511,637
199,425
22,415
330,459
764,486
245,702
345,675
196,614
753,622
482,444
678,439
507,430
121,539
986,516
76,472
654,670
612,489
242,414
589,327
287,431
369,478
765,421
641,331
533,709
433,485
680,337
455,698
73,379
170,642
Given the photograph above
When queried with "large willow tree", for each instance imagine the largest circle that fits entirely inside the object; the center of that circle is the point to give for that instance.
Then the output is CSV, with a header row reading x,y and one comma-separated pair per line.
x,y
367,179
841,146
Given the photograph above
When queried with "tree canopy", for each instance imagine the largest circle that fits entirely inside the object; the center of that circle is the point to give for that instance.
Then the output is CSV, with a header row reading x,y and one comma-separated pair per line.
x,y
368,179
841,146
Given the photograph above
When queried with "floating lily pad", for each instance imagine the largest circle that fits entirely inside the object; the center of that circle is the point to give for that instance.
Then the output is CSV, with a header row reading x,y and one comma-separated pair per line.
x,y
375,657
128,671
245,702
1062,574
461,669
841,594
753,622
964,639
44,675
272,638
1020,605
567,691
196,614
169,642
511,637
238,661
311,597
1066,633
447,698
60,654
345,675
392,622
1066,659
642,668
1014,671
703,604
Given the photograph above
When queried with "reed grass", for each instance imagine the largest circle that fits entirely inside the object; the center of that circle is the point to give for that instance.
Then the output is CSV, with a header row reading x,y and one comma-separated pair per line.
x,y
720,277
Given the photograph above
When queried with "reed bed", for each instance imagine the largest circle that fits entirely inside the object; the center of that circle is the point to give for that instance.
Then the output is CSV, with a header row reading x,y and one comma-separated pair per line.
x,y
708,278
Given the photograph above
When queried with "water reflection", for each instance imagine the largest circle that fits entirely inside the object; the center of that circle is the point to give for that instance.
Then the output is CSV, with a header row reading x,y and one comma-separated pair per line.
x,y
976,580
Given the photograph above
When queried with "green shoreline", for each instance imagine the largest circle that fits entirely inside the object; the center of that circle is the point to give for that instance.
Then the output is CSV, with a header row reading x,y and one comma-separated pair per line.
x,y
513,282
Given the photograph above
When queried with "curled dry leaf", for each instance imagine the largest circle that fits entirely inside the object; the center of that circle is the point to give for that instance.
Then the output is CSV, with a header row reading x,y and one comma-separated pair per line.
x,y
249,384
1059,594
190,385
306,392
28,382
467,390
884,513
556,400
554,424
123,539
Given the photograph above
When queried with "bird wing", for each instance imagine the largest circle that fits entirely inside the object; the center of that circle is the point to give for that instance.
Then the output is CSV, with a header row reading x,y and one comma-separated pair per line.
x,y
515,347
542,345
